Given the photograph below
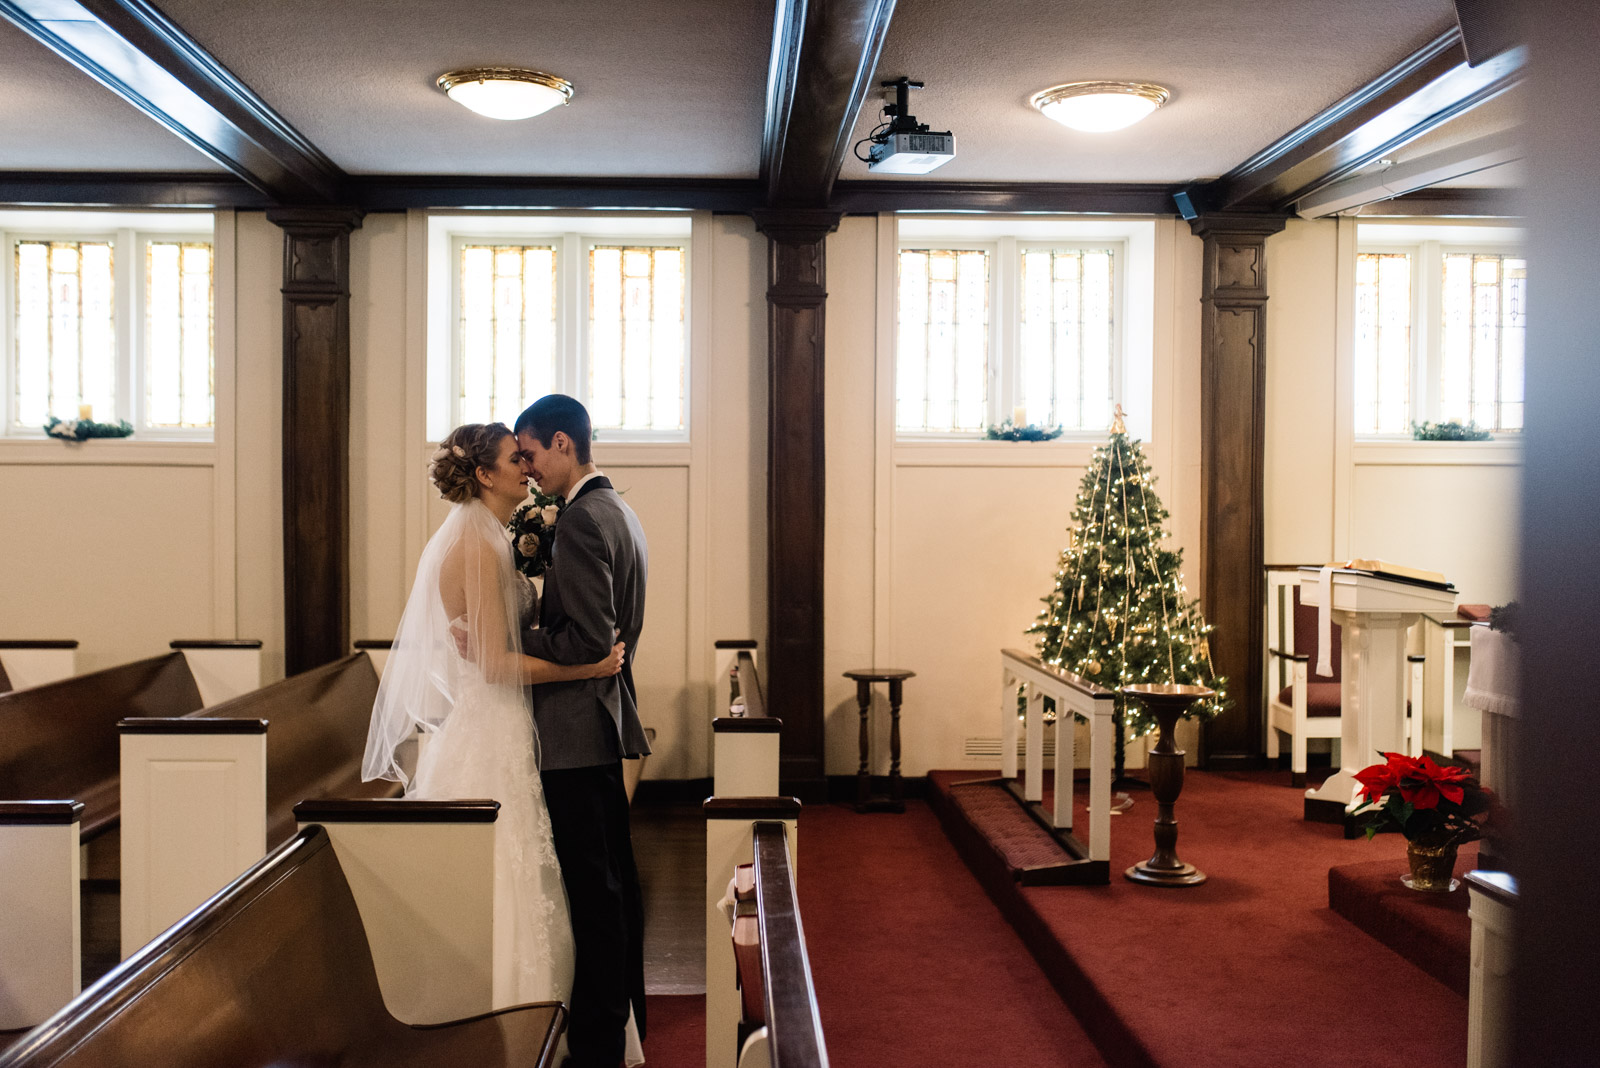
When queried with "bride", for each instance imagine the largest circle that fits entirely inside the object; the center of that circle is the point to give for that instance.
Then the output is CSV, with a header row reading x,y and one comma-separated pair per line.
x,y
476,710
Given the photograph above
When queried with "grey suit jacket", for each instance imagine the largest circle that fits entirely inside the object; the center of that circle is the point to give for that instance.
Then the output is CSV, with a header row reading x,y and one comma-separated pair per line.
x,y
594,588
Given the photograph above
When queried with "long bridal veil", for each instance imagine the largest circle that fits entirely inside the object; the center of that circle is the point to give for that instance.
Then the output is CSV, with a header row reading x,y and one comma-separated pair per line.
x,y
469,562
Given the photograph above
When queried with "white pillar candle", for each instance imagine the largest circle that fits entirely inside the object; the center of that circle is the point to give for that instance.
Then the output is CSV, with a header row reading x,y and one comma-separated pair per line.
x,y
86,412
1019,415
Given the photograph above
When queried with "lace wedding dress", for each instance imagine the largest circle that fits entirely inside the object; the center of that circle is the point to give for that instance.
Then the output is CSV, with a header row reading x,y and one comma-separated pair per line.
x,y
481,740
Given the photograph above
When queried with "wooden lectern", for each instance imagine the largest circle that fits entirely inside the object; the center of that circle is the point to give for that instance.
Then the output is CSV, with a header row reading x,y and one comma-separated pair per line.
x,y
1374,610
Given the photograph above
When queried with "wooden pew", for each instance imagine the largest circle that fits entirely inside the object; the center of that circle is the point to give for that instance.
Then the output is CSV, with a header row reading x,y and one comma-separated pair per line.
x,y
205,796
744,750
40,944
274,969
761,1007
223,668
34,663
59,741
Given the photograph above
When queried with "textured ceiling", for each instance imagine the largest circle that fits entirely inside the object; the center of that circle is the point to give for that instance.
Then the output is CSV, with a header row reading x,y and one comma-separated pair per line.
x,y
664,88
52,117
676,87
1241,73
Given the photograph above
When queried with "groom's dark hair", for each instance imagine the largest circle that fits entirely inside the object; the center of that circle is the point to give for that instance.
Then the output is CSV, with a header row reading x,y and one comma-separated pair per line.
x,y
554,413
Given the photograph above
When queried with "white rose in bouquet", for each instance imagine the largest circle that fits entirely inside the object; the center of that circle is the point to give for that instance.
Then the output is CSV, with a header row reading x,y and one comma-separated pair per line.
x,y
528,545
549,513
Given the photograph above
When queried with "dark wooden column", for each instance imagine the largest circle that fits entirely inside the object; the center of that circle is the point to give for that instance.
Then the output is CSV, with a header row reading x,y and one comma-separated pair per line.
x,y
316,433
796,295
1233,419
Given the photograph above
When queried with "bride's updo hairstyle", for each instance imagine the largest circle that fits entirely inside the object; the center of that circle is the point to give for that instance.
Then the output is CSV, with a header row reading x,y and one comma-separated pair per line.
x,y
454,467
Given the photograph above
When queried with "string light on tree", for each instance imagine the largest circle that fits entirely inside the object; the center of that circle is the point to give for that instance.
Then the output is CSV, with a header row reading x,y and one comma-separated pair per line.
x,y
1118,613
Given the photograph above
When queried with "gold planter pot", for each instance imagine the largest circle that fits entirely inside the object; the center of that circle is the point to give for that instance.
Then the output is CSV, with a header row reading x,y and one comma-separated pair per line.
x,y
1431,867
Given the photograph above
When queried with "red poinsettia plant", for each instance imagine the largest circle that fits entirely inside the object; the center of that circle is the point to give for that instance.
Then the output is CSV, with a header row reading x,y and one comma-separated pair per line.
x,y
1432,804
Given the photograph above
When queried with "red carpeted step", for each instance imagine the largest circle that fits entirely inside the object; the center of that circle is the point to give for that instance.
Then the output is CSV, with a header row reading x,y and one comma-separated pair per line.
x,y
1252,968
1016,838
1432,931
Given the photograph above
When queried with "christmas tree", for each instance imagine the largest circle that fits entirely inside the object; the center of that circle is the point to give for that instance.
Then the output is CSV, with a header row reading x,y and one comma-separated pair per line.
x,y
1119,613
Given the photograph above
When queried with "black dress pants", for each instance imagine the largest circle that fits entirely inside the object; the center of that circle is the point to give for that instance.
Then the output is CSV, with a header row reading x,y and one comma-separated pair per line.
x,y
589,820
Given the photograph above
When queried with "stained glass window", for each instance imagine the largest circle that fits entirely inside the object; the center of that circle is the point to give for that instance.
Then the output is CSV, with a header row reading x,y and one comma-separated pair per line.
x,y
1484,298
178,357
636,337
508,329
1383,343
942,366
1066,342
65,349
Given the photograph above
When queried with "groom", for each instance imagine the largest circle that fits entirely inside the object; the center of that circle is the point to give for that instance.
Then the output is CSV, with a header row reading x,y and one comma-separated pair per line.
x,y
593,593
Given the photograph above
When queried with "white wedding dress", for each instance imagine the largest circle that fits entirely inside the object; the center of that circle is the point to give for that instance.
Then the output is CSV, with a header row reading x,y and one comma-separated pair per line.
x,y
481,741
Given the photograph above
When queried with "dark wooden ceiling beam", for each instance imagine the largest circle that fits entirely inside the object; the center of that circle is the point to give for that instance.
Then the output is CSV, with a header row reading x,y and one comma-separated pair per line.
x,y
1119,198
1449,202
150,189
1425,90
824,58
144,57
399,192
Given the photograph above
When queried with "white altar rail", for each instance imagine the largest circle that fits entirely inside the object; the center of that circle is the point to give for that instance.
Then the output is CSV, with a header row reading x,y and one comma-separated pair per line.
x,y
1071,695
731,824
40,943
223,668
423,877
36,662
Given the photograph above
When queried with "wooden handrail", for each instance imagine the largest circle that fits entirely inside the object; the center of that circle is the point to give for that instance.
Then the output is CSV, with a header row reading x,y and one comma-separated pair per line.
x,y
755,705
1067,678
794,1024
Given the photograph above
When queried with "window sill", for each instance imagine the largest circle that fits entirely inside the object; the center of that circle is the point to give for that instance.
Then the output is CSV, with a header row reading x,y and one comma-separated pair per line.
x,y
1503,452
126,452
976,453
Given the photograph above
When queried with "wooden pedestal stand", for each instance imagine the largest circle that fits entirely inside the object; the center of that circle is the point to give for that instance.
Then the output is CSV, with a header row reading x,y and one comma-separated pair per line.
x,y
864,678
1167,702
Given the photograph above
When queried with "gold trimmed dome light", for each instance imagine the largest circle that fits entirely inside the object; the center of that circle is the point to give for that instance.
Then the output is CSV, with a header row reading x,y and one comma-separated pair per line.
x,y
1099,107
505,92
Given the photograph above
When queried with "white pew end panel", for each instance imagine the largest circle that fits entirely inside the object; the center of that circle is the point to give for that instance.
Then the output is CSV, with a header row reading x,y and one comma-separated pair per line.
x,y
223,668
40,946
423,877
36,662
194,815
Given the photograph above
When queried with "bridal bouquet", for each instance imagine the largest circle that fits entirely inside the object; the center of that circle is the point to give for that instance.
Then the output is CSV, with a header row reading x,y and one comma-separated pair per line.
x,y
533,533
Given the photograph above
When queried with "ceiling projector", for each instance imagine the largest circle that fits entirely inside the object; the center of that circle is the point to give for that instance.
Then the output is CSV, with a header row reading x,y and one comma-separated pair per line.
x,y
902,145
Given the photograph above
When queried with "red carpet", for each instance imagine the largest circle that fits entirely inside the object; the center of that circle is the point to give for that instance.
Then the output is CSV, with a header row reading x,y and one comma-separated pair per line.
x,y
913,964
677,1025
1253,968
1432,931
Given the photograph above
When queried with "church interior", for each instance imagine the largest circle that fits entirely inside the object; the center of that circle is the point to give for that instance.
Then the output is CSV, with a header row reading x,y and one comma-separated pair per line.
x,y
1177,356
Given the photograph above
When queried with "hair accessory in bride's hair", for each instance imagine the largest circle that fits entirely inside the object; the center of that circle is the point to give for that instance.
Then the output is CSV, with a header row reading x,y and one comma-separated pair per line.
x,y
438,454
461,454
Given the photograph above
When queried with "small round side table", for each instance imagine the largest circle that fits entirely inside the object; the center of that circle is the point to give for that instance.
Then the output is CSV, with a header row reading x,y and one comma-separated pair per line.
x,y
864,678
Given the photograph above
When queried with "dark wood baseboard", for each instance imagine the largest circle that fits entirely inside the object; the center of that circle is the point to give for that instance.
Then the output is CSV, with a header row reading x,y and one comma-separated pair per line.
x,y
1236,762
666,793
842,788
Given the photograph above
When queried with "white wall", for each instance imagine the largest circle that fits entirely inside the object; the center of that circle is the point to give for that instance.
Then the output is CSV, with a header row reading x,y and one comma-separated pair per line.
x,y
1447,506
937,554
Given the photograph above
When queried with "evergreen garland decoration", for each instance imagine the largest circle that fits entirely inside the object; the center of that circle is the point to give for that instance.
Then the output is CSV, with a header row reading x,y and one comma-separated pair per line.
x,y
1119,613
1009,431
1454,430
84,429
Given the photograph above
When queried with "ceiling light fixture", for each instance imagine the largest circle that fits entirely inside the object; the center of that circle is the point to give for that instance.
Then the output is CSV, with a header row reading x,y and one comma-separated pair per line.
x,y
505,92
1099,107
